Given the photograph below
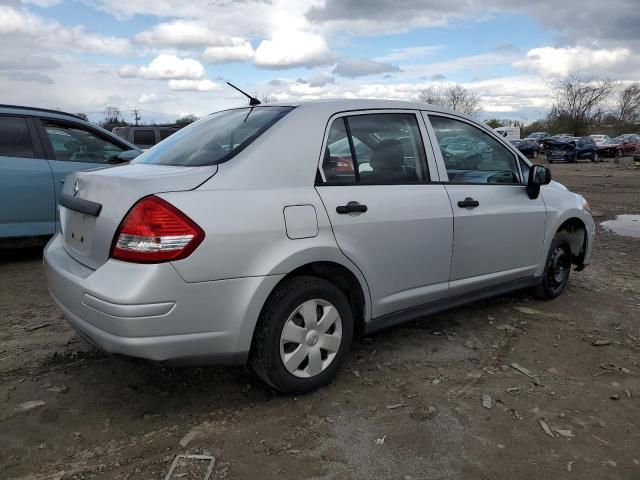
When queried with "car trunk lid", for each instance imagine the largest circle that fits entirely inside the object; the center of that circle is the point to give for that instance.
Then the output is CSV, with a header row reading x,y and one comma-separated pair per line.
x,y
95,202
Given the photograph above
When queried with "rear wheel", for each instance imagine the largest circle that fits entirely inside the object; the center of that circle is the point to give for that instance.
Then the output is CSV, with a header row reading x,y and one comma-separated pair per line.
x,y
596,157
557,269
535,154
303,335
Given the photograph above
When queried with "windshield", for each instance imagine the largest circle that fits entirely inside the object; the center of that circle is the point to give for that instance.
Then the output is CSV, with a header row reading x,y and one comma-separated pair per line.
x,y
214,139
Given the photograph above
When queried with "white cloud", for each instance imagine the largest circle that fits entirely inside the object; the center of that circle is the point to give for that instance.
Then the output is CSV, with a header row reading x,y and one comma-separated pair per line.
x,y
183,33
560,62
290,49
165,67
360,67
240,51
148,98
205,85
50,34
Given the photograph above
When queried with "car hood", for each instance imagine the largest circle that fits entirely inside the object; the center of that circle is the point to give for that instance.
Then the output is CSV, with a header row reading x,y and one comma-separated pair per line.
x,y
557,186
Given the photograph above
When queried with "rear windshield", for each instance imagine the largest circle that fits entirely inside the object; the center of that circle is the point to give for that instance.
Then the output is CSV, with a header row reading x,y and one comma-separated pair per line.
x,y
214,139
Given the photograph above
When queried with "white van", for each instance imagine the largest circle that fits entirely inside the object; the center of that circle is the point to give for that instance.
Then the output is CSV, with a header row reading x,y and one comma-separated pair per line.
x,y
510,133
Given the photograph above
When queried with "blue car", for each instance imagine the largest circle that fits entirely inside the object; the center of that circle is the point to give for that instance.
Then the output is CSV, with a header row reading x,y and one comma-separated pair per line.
x,y
38,148
571,149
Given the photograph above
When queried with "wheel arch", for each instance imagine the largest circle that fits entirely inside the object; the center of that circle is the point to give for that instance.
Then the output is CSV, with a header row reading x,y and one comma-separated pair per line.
x,y
576,231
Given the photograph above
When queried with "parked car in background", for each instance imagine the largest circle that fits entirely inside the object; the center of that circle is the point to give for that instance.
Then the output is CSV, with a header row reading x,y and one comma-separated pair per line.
x,y
214,247
611,148
629,143
539,136
599,139
636,154
528,147
38,148
145,136
571,149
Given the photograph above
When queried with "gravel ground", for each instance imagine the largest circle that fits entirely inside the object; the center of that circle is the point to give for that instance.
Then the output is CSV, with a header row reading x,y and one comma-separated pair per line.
x,y
410,403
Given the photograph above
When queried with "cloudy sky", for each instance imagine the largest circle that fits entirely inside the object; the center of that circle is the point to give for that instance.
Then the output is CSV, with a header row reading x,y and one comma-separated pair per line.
x,y
171,57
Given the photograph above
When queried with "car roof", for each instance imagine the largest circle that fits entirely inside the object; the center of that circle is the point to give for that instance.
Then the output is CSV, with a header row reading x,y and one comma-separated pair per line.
x,y
340,105
57,115
35,111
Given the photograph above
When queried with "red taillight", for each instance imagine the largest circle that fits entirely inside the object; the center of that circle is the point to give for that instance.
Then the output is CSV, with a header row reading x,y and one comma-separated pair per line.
x,y
155,231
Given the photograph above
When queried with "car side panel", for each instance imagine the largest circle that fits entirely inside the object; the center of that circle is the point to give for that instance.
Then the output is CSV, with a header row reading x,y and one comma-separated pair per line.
x,y
562,206
27,197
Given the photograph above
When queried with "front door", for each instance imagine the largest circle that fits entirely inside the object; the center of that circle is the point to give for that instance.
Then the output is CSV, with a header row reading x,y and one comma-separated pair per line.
x,y
498,229
388,219
26,186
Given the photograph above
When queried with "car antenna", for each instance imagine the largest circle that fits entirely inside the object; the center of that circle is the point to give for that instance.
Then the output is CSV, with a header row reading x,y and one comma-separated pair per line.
x,y
252,100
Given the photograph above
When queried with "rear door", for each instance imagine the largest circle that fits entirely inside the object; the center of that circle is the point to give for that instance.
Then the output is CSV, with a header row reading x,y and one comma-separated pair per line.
x,y
26,185
498,229
389,215
72,147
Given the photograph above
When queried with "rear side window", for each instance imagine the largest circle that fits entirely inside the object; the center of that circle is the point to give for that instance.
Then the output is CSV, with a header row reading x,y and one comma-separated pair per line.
x,y
214,139
15,140
144,138
375,149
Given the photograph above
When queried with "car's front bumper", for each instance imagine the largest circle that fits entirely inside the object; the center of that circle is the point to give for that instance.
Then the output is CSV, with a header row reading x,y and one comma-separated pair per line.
x,y
149,311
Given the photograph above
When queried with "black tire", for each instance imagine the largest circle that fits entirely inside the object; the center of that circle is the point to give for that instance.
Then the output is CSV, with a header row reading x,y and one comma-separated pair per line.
x,y
596,157
535,154
282,303
557,268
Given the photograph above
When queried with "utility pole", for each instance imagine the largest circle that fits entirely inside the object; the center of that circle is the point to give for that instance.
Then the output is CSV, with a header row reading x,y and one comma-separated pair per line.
x,y
136,116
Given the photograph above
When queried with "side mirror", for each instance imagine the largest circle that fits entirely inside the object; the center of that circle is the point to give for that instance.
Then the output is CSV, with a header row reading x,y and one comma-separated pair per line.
x,y
538,175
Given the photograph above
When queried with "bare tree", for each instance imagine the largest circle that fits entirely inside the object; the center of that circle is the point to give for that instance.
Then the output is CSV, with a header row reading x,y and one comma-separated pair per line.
x,y
266,98
628,106
579,101
186,120
453,96
111,114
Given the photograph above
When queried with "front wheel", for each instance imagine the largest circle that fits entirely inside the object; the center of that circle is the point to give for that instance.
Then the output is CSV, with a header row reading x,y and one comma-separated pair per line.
x,y
596,157
535,154
557,268
303,335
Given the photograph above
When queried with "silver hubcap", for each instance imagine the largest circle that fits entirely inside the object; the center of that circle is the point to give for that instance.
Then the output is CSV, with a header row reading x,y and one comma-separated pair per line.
x,y
310,338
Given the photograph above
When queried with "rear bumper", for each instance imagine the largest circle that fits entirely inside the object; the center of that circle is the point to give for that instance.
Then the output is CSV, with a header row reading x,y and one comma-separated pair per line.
x,y
149,311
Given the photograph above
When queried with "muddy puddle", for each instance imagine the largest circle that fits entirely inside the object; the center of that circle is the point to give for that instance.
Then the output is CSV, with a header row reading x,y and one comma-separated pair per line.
x,y
627,225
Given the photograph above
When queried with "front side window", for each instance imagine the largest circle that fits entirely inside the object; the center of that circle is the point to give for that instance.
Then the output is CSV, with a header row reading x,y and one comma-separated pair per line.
x,y
75,144
473,156
383,148
214,139
144,138
15,140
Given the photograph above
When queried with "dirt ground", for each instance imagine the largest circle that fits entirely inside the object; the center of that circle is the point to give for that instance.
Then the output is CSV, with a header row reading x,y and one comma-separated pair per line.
x,y
408,404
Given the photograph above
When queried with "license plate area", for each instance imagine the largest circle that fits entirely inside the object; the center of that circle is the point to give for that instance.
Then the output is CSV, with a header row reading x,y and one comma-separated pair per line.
x,y
77,229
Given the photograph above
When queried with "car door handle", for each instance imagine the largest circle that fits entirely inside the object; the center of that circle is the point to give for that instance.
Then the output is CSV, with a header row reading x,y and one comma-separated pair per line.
x,y
351,207
468,203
